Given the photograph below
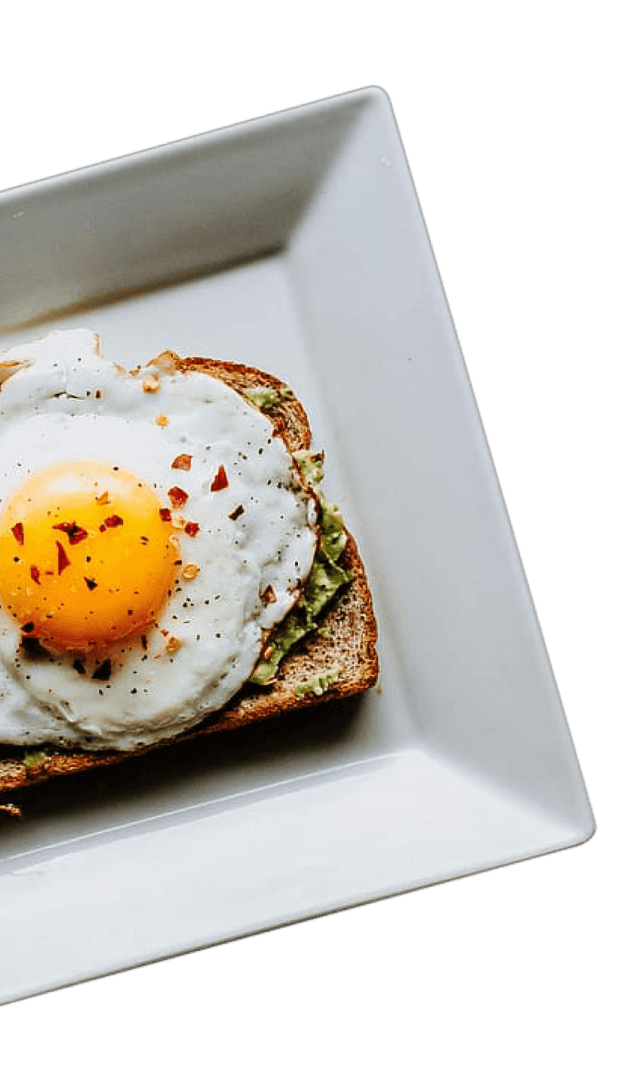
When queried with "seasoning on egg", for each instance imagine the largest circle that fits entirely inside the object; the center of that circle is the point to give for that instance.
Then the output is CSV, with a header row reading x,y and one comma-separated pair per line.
x,y
151,384
113,521
75,533
103,499
220,480
63,559
165,513
178,497
33,649
35,574
182,461
104,670
172,645
190,571
90,583
191,528
237,512
18,532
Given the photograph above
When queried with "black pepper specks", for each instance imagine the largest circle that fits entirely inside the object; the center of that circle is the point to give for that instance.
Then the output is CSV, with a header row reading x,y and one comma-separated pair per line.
x,y
33,649
103,671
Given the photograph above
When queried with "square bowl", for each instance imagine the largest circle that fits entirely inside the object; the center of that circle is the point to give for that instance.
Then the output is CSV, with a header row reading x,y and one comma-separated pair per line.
x,y
295,242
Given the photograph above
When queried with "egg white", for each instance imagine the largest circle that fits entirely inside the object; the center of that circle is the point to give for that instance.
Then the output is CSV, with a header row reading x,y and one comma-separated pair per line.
x,y
50,413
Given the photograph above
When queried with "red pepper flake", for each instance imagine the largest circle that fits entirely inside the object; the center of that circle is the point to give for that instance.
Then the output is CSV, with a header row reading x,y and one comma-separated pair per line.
x,y
90,583
178,497
191,528
18,532
183,461
104,670
165,513
102,528
35,574
236,513
73,531
63,559
268,596
220,480
113,521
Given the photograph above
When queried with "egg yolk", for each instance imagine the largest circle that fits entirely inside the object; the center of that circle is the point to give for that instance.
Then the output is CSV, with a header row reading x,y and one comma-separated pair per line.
x,y
85,557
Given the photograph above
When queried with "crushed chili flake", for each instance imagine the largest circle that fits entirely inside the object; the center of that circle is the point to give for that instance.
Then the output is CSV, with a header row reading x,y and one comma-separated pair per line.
x,y
74,532
182,461
102,528
178,497
220,480
98,394
35,574
113,521
63,559
268,596
164,633
79,667
237,512
191,528
18,532
103,499
178,520
165,513
90,583
190,571
161,420
104,671
151,384
172,645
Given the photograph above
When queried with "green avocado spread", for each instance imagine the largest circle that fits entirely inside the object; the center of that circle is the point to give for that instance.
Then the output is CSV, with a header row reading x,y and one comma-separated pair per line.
x,y
37,757
324,581
318,684
265,397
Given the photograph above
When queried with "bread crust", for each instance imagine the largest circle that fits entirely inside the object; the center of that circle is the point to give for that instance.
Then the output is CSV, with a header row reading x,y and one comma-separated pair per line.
x,y
346,639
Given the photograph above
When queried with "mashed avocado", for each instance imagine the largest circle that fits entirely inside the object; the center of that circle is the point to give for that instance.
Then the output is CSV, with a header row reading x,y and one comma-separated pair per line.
x,y
34,759
318,684
264,397
325,579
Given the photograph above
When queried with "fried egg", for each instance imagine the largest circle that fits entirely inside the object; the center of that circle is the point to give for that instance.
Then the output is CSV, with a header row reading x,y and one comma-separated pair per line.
x,y
153,531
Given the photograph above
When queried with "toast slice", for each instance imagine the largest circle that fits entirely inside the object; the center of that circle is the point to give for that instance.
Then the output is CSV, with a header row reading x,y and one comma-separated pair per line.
x,y
344,643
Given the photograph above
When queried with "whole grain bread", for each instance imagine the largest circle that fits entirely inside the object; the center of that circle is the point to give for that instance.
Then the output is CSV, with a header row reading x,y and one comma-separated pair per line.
x,y
345,641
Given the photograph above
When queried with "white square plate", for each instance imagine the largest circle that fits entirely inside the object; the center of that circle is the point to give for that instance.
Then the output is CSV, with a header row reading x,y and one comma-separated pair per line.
x,y
296,242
